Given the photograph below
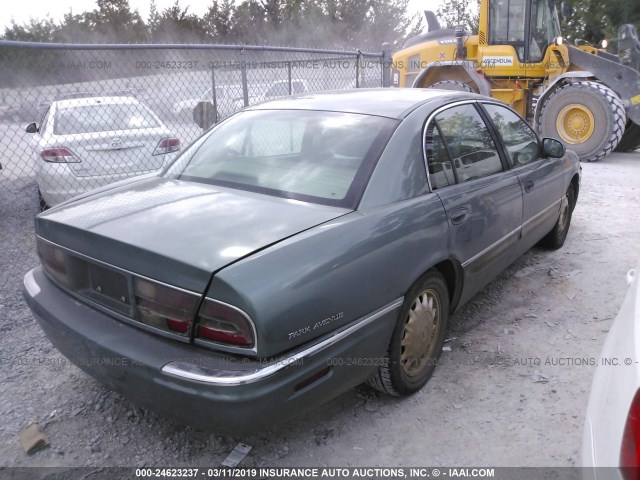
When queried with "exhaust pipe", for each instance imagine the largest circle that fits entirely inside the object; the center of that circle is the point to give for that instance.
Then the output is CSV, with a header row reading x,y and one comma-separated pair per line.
x,y
461,51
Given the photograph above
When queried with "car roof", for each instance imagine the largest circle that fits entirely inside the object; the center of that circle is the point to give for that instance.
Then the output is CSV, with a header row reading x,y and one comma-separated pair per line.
x,y
83,102
383,102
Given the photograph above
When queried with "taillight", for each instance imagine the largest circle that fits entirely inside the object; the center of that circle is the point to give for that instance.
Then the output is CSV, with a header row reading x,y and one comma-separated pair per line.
x,y
58,155
222,323
164,307
167,145
53,262
630,449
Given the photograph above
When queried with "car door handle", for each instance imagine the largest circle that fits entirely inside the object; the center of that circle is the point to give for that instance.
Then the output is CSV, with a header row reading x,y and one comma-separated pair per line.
x,y
528,185
459,216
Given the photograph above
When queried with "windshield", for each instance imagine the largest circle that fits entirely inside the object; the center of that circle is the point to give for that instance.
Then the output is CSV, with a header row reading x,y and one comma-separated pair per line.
x,y
103,118
508,19
320,157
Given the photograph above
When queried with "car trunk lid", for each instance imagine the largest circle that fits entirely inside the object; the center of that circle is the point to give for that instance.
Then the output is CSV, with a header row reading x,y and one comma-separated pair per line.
x,y
175,231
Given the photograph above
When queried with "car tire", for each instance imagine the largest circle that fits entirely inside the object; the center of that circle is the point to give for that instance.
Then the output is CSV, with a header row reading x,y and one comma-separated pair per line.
x,y
558,234
587,117
419,330
42,204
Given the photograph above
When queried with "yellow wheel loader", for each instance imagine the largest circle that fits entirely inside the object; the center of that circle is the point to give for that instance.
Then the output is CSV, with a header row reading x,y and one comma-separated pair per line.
x,y
587,98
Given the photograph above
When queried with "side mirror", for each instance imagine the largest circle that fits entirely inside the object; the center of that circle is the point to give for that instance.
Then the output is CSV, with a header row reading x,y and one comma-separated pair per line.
x,y
552,148
32,128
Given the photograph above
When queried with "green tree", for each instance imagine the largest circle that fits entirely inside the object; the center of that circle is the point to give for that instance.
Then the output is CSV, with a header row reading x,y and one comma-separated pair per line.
x,y
219,20
75,28
593,20
33,31
177,25
623,11
463,13
250,24
114,19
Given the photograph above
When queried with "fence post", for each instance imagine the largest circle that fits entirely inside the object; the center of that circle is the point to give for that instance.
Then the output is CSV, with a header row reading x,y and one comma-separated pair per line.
x,y
358,68
289,76
214,95
386,64
245,89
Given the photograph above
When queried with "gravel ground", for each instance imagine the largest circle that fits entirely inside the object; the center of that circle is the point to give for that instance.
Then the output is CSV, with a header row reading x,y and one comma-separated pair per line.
x,y
512,390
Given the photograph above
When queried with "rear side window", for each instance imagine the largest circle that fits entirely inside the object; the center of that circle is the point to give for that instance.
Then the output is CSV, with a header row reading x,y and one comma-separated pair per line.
x,y
469,143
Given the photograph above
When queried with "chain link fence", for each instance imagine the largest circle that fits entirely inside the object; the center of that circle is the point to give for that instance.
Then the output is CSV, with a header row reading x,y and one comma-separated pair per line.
x,y
77,117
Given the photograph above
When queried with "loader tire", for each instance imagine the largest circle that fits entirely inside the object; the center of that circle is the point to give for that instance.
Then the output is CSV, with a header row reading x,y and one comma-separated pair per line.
x,y
587,117
452,85
630,138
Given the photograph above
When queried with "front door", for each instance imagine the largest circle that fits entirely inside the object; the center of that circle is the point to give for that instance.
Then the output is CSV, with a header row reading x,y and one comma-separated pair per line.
x,y
541,178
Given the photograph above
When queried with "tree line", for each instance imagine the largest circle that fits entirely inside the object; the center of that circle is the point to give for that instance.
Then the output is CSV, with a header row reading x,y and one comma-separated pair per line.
x,y
321,23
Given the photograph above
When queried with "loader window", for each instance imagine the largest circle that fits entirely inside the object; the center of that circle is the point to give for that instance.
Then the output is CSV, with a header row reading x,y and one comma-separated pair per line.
x,y
507,24
544,28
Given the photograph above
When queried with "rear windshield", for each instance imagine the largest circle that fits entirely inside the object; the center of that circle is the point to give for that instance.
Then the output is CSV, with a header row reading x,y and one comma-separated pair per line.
x,y
320,157
103,118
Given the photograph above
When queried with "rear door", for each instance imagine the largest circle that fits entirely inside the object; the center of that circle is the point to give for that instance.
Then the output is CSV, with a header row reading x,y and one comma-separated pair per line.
x,y
541,179
482,199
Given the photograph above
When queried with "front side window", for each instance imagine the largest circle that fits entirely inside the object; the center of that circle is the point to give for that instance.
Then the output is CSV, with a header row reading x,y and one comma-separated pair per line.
x,y
320,157
470,145
522,144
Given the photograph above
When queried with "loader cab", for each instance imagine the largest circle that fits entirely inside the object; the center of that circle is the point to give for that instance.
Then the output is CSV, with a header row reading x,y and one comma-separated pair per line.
x,y
530,26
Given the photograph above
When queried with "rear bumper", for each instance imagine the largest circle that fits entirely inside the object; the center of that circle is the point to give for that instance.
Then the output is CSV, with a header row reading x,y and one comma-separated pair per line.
x,y
185,382
58,183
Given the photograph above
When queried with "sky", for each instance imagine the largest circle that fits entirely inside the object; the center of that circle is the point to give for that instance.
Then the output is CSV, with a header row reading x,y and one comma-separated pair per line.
x,y
21,11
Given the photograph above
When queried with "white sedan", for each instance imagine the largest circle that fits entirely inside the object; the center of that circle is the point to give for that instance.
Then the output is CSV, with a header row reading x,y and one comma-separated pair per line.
x,y
86,143
612,426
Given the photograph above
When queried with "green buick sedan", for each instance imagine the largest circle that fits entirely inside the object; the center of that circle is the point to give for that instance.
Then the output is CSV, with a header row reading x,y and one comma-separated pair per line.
x,y
297,249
